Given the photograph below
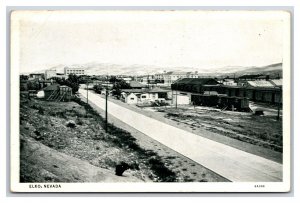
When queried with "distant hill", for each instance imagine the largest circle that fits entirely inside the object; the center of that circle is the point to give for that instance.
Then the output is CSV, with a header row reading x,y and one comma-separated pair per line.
x,y
272,70
116,69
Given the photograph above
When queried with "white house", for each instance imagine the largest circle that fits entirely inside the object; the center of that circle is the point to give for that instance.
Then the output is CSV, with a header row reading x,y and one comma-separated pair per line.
x,y
135,96
131,98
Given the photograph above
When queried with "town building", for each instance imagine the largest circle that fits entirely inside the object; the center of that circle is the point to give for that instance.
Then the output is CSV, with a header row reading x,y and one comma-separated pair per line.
x,y
277,82
136,85
159,77
184,88
60,75
127,79
36,76
172,76
192,74
138,96
50,74
268,91
197,85
146,79
57,92
227,81
75,71
168,78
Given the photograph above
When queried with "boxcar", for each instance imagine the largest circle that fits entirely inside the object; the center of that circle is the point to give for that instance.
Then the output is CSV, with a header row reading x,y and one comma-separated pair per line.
x,y
221,101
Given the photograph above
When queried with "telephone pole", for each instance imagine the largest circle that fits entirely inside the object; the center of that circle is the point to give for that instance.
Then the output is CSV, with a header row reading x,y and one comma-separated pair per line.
x,y
176,93
87,92
279,103
87,96
176,99
106,95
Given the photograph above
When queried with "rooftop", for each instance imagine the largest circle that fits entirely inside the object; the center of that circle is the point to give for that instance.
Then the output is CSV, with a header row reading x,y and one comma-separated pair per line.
x,y
154,90
277,82
52,87
260,83
135,84
250,76
196,81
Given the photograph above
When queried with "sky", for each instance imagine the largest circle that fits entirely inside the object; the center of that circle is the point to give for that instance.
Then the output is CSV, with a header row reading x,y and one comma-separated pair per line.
x,y
201,39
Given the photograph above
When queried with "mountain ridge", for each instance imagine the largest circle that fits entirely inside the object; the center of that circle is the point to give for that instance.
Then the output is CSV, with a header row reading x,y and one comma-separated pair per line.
x,y
136,69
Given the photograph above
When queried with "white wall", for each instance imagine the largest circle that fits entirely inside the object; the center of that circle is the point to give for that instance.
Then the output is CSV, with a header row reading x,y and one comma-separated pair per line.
x,y
181,99
149,97
131,99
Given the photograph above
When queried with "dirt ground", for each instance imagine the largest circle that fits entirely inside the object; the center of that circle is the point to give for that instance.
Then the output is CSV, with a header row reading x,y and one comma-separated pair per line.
x,y
264,131
259,135
75,132
48,165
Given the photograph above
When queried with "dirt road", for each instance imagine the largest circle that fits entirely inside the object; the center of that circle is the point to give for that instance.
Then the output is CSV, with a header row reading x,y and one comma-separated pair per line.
x,y
231,163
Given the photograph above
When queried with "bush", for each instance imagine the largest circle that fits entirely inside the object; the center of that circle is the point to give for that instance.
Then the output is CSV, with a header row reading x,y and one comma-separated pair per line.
x,y
79,121
40,109
71,124
72,81
97,88
60,114
122,138
164,174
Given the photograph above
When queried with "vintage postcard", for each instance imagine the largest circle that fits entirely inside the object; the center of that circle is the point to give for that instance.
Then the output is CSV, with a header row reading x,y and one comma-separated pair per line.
x,y
150,101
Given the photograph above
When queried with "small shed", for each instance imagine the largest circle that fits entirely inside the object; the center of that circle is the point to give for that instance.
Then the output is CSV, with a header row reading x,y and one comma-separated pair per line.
x,y
57,92
131,99
65,93
50,91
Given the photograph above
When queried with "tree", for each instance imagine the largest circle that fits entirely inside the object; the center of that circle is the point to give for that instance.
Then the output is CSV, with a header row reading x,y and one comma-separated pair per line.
x,y
121,85
72,81
113,79
33,85
98,88
118,86
23,77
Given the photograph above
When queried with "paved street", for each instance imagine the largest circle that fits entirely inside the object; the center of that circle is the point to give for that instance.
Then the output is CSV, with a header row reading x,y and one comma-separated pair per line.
x,y
233,164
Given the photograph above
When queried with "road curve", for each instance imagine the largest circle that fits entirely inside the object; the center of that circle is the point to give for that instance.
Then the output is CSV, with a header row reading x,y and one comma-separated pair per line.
x,y
229,162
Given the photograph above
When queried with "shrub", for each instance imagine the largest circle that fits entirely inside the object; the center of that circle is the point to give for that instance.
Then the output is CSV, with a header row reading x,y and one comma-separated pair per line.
x,y
71,124
98,88
79,121
164,174
122,138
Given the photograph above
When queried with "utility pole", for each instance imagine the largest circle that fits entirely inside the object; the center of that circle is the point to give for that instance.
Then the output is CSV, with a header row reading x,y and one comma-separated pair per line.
x,y
176,99
176,93
278,109
87,96
87,92
106,95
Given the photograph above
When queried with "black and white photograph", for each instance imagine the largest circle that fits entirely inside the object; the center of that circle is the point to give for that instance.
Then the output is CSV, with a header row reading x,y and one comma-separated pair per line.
x,y
150,100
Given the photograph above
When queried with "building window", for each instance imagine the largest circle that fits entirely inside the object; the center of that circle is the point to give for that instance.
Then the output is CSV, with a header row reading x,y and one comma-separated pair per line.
x,y
143,96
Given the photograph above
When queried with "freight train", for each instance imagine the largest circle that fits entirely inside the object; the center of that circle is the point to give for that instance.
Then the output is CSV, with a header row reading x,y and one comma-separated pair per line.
x,y
221,101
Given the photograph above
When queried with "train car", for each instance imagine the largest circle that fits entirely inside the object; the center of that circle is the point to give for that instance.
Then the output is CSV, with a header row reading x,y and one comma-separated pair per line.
x,y
205,100
222,102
